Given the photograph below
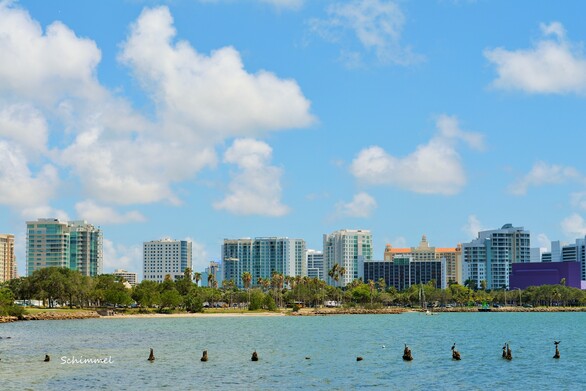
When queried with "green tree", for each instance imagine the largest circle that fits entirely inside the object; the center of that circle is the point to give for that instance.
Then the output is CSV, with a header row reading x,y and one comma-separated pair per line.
x,y
147,294
171,299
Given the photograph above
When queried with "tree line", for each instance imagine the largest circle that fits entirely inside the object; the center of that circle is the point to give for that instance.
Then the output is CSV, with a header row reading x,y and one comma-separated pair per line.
x,y
64,287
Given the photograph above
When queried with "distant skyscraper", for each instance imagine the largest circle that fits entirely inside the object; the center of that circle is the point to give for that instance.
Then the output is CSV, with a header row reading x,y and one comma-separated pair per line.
x,y
130,277
315,264
423,253
261,257
166,256
7,258
214,269
75,245
490,256
349,249
575,252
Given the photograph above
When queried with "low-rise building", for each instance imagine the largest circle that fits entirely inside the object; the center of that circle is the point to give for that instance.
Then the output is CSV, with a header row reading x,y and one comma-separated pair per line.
x,y
130,277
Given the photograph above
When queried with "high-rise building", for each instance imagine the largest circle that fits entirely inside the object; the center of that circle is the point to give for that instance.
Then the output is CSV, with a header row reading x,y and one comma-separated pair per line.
x,y
488,259
130,277
315,264
261,257
403,271
7,258
424,252
75,245
575,252
166,257
349,249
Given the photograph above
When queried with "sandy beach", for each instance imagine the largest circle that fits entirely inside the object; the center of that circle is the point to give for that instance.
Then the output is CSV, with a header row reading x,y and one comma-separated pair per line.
x,y
194,315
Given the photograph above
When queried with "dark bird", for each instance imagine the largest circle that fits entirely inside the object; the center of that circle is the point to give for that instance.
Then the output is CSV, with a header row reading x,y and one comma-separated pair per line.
x,y
47,358
407,354
455,353
359,358
254,356
204,356
151,356
557,351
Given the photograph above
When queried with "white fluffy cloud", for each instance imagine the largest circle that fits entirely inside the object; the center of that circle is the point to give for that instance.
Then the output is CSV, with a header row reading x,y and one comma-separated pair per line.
x,y
256,187
433,168
376,24
574,226
553,65
546,174
90,211
118,256
208,98
117,155
24,125
20,187
362,205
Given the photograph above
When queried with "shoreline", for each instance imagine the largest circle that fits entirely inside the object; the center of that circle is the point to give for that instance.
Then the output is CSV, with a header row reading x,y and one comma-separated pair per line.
x,y
90,314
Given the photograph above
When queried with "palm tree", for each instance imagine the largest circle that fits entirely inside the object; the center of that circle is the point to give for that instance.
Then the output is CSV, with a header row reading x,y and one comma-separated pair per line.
x,y
246,280
197,278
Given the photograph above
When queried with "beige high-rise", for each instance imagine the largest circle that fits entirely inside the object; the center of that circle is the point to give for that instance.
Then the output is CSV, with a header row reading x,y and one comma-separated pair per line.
x,y
452,255
7,258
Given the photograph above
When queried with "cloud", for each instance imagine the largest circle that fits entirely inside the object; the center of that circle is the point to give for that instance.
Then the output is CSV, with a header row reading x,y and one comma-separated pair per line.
x,y
90,211
362,205
98,139
200,256
208,98
57,60
117,256
377,26
473,227
433,168
546,174
553,66
21,188
43,211
543,242
24,125
256,188
574,225
140,171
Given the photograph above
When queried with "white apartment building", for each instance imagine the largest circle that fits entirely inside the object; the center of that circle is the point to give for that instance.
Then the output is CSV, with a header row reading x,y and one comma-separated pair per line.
x,y
166,256
349,249
490,256
315,264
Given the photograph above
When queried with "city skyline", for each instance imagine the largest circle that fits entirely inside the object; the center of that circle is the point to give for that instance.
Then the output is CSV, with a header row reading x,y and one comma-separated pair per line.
x,y
207,120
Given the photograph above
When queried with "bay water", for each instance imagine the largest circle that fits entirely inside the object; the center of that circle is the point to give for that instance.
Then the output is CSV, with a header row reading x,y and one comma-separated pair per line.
x,y
297,353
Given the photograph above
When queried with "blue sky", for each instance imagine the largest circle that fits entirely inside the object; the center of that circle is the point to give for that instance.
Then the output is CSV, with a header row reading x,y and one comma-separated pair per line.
x,y
224,119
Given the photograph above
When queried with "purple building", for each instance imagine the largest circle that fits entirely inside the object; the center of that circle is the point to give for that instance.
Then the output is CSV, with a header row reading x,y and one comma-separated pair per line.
x,y
544,273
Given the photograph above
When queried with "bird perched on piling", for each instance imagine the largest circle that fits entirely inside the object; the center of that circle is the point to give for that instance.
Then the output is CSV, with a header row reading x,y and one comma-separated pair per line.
x,y
455,353
407,354
557,351
151,356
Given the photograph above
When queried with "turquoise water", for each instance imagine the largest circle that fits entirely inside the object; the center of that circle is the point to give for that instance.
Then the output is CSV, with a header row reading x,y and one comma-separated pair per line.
x,y
331,342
